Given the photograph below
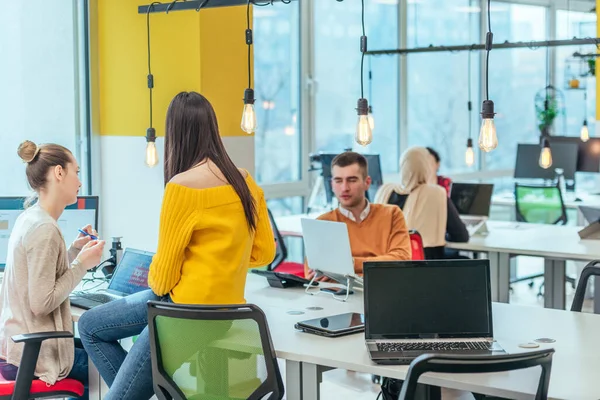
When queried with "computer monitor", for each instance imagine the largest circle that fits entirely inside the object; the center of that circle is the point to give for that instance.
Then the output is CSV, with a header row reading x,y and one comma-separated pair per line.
x,y
588,153
374,171
473,199
564,155
75,216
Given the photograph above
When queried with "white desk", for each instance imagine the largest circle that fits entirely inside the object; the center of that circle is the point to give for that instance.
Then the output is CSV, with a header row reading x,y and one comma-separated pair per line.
x,y
555,243
575,368
589,200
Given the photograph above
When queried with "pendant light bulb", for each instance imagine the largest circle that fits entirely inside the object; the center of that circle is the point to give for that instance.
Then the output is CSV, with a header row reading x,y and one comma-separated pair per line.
x,y
249,124
488,140
151,153
545,154
371,118
585,132
469,153
364,135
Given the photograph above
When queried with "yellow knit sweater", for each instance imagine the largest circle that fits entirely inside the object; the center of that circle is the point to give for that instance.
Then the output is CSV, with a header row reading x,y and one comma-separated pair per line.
x,y
205,247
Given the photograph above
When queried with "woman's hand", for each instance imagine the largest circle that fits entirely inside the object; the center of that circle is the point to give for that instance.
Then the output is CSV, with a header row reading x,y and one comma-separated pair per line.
x,y
91,254
82,239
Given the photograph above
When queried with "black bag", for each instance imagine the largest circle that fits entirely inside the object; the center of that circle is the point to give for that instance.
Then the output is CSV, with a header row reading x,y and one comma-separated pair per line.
x,y
390,389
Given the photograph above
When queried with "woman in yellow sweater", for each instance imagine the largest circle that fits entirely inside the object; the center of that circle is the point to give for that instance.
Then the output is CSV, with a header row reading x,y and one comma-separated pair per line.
x,y
214,226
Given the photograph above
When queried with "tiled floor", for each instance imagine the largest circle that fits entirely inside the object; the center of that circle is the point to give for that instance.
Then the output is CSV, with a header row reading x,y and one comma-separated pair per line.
x,y
347,385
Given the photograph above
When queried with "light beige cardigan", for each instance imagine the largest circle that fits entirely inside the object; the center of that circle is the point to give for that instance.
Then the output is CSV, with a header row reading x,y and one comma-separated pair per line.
x,y
34,298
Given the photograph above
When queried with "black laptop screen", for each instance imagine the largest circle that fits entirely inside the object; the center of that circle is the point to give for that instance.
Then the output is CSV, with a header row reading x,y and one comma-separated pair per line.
x,y
472,198
413,299
131,275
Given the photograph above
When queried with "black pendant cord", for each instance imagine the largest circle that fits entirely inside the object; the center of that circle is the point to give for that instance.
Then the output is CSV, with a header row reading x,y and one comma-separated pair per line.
x,y
370,82
363,49
249,43
488,48
469,103
150,76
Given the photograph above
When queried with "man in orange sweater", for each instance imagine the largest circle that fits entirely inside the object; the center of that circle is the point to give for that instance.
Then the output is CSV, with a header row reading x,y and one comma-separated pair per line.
x,y
377,232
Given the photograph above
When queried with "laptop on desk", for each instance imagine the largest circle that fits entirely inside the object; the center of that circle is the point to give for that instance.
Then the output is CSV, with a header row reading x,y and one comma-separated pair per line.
x,y
473,201
420,307
130,276
327,246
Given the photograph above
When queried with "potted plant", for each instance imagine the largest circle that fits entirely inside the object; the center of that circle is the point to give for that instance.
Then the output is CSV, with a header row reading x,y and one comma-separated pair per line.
x,y
546,114
592,66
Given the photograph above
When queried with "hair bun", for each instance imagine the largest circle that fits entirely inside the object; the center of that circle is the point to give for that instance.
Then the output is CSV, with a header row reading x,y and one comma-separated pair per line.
x,y
28,151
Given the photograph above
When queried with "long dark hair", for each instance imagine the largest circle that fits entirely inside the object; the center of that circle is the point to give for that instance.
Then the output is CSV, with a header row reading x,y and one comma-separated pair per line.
x,y
191,136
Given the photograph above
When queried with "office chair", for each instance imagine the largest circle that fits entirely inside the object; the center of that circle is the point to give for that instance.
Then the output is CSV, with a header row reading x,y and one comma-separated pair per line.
x,y
209,342
462,364
590,270
279,264
416,245
25,387
540,205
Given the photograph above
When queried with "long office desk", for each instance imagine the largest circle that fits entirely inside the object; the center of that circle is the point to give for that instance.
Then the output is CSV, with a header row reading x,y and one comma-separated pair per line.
x,y
575,368
585,199
556,244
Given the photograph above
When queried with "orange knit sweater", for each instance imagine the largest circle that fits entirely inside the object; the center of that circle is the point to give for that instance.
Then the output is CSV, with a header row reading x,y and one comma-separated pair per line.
x,y
382,236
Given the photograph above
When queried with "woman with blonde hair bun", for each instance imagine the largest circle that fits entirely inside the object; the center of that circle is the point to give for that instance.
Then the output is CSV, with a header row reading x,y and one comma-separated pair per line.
x,y
425,205
41,272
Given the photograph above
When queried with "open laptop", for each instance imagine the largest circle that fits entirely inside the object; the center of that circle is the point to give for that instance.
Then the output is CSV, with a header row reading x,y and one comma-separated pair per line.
x,y
327,246
418,307
130,276
591,214
473,201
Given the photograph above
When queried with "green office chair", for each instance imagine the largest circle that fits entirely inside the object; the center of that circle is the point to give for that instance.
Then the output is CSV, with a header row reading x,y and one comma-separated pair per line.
x,y
540,205
212,353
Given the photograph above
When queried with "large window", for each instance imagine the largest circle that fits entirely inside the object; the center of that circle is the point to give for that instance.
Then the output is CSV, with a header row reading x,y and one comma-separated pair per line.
x,y
337,58
277,87
576,71
40,83
516,76
438,83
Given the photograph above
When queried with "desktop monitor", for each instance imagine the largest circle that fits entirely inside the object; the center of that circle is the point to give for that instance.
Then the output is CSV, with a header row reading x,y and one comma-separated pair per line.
x,y
374,171
564,155
473,199
588,153
75,216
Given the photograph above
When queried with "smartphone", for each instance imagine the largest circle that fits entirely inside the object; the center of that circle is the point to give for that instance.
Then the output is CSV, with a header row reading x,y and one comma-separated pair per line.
x,y
336,291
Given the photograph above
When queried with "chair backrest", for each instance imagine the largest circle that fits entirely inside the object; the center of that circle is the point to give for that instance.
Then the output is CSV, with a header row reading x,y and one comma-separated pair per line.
x,y
280,249
540,204
446,363
590,270
416,245
195,348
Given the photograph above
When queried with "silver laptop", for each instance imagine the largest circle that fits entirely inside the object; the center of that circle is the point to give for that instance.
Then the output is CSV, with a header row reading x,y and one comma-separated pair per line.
x,y
591,214
327,247
130,276
473,201
418,307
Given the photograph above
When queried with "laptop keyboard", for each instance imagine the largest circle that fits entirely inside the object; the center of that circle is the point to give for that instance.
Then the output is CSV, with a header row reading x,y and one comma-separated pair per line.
x,y
434,346
87,300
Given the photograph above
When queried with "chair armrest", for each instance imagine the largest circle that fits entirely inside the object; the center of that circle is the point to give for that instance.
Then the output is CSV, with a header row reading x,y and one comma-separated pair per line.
x,y
290,234
41,336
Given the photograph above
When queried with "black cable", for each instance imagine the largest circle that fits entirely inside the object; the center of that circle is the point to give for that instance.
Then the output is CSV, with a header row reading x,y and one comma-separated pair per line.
x,y
469,103
488,48
249,44
150,76
362,58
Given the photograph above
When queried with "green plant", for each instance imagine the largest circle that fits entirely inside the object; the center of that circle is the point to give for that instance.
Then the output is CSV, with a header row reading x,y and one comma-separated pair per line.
x,y
547,113
592,66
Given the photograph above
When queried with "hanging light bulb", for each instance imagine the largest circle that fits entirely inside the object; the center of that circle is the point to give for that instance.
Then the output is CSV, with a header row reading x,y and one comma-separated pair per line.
x,y
469,154
151,153
249,115
488,140
545,154
371,119
364,135
585,133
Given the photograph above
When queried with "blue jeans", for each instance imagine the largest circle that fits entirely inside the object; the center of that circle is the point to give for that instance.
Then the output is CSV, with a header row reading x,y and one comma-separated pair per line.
x,y
78,372
129,375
